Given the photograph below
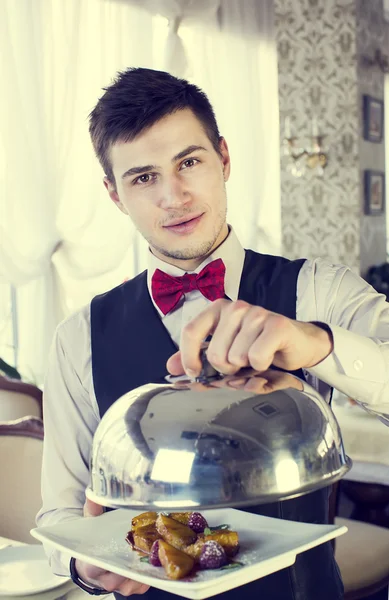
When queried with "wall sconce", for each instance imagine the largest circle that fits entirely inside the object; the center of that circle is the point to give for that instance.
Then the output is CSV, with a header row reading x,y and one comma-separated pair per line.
x,y
377,60
299,156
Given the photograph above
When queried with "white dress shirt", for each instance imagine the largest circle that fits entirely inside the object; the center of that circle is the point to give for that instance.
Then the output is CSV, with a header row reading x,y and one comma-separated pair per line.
x,y
333,294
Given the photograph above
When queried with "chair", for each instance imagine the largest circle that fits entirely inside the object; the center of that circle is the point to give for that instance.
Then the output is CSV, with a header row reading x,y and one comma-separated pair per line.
x,y
21,447
19,399
362,554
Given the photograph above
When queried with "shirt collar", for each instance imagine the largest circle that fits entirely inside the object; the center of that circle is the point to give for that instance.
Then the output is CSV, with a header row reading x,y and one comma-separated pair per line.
x,y
230,251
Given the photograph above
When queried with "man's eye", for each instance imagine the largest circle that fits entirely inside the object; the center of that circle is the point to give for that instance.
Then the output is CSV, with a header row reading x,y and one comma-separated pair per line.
x,y
142,179
189,162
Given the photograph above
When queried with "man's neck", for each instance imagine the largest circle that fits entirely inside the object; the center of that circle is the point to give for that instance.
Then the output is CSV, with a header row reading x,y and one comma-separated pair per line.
x,y
193,263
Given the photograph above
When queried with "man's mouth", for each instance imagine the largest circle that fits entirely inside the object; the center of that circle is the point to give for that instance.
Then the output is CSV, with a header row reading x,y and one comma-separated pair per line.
x,y
182,220
185,224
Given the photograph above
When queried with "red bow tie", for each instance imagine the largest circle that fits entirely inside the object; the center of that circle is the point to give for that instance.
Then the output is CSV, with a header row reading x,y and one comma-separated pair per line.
x,y
167,290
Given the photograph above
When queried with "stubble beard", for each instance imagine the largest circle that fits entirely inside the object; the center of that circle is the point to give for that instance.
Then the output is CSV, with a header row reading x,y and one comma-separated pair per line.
x,y
202,249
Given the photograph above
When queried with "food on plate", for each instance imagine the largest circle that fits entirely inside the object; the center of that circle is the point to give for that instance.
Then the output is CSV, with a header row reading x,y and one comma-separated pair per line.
x,y
182,542
154,555
146,518
197,522
144,537
229,540
194,520
182,517
212,555
176,563
175,533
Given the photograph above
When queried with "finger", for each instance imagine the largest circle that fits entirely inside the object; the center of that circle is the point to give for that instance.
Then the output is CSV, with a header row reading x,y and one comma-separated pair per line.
x,y
195,332
174,364
230,323
143,588
251,329
111,582
268,343
91,509
129,587
89,573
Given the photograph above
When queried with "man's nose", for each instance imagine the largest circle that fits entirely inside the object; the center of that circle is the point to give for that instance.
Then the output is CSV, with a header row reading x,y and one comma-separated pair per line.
x,y
174,193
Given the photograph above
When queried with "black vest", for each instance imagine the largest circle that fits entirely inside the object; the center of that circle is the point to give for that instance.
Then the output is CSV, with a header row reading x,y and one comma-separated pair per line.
x,y
130,347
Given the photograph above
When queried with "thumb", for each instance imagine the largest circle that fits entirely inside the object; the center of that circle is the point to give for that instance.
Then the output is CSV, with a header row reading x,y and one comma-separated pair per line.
x,y
174,364
91,509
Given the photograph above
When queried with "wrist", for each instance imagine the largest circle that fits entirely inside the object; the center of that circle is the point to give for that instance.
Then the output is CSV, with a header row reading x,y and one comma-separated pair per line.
x,y
325,341
78,578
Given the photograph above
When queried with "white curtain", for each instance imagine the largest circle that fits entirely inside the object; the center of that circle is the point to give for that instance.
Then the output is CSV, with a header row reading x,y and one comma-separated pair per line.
x,y
59,232
61,239
178,12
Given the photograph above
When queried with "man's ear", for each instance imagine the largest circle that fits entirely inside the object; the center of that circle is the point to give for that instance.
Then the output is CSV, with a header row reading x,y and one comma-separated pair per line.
x,y
111,189
225,158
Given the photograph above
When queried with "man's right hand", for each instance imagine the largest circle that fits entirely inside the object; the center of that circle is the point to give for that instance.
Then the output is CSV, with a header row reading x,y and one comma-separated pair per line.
x,y
100,578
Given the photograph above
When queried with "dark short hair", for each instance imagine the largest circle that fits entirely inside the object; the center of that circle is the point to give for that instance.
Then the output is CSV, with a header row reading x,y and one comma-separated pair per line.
x,y
136,100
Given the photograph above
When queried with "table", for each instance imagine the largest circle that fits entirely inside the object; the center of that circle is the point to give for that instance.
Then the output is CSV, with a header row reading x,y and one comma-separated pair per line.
x,y
366,441
68,591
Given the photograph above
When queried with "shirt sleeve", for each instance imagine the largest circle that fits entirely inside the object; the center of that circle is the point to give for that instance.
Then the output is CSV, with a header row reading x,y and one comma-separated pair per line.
x,y
359,320
70,420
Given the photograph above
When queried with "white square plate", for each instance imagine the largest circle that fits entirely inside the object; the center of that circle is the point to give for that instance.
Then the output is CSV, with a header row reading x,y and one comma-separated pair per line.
x,y
266,545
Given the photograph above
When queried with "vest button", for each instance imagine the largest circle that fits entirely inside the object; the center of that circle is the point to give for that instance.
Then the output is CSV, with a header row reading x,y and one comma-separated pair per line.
x,y
358,365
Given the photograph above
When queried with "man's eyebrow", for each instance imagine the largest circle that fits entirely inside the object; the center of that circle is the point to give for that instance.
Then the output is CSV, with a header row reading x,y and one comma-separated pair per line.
x,y
147,168
138,170
187,151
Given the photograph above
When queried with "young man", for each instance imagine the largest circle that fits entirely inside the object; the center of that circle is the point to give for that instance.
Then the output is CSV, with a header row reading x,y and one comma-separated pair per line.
x,y
165,166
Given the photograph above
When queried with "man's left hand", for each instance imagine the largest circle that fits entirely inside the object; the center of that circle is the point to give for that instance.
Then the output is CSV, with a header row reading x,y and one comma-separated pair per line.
x,y
248,336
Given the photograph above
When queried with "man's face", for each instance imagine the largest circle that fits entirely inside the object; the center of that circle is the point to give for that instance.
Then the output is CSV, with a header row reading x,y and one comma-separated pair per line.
x,y
171,182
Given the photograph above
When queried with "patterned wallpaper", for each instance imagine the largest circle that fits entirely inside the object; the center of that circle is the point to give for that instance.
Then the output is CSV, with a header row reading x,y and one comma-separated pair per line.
x,y
318,79
372,33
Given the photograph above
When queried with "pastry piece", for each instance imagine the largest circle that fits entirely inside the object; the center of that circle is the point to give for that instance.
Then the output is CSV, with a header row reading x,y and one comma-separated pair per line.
x,y
175,533
177,564
144,537
194,550
146,518
229,540
194,520
182,517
